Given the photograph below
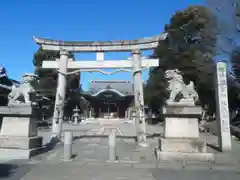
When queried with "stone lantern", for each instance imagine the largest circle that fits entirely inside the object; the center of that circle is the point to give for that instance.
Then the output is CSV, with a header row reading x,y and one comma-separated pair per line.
x,y
76,115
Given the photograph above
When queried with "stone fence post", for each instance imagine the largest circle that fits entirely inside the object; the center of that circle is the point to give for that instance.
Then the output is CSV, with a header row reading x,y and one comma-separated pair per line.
x,y
68,138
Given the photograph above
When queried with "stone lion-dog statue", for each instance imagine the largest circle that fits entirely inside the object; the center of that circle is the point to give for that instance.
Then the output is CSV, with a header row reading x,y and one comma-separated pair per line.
x,y
22,94
179,91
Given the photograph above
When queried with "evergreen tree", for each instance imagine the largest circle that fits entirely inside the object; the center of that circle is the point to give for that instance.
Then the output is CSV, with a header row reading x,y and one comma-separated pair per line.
x,y
189,47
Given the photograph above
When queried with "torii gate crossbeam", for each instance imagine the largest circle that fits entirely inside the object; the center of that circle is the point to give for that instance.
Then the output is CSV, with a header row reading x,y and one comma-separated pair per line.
x,y
64,63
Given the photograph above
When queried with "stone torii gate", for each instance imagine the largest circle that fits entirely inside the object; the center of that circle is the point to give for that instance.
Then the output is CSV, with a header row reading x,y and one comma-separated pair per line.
x,y
99,47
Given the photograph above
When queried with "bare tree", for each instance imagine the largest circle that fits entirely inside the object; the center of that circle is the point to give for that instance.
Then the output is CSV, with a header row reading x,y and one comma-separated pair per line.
x,y
227,13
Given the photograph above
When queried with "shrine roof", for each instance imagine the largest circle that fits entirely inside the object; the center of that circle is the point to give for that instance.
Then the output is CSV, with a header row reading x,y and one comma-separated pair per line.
x,y
6,84
122,88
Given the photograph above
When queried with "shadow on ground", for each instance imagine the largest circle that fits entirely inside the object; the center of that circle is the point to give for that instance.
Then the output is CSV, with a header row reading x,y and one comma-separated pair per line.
x,y
118,136
7,170
153,135
15,169
216,148
102,136
51,145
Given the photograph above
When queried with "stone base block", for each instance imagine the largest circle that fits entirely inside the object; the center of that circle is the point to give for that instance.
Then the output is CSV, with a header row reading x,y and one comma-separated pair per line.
x,y
180,127
182,111
180,156
14,154
182,145
18,126
20,142
17,110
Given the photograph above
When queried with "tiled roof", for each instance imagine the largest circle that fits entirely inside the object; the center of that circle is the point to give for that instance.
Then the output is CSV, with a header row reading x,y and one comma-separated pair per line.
x,y
6,84
5,81
123,87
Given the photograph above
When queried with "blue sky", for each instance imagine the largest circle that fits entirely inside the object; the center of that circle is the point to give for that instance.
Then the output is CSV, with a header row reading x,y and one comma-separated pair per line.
x,y
78,20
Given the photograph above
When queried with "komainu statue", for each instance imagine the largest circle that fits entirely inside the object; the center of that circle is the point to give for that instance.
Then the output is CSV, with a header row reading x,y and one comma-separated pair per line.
x,y
24,93
179,91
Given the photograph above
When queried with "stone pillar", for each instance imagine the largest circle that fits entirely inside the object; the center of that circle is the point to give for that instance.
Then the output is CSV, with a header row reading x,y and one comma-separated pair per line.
x,y
60,95
112,145
68,138
138,96
222,111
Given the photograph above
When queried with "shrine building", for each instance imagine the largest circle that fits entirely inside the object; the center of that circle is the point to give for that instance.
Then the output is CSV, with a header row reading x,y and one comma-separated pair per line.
x,y
110,98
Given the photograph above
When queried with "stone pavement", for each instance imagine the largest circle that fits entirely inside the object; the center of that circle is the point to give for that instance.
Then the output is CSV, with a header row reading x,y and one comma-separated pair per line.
x,y
91,153
73,172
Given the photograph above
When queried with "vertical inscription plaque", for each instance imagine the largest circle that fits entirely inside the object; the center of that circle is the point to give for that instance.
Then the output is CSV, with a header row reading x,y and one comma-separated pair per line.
x,y
224,137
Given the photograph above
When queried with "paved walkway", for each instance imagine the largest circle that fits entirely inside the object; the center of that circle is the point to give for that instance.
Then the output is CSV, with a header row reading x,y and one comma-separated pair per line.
x,y
73,172
91,153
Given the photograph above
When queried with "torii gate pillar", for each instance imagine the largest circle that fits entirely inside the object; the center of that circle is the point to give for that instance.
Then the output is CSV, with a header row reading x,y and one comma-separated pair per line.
x,y
133,46
138,96
60,95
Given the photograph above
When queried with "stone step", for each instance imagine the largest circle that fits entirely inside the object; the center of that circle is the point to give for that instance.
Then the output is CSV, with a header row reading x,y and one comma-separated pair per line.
x,y
183,156
182,145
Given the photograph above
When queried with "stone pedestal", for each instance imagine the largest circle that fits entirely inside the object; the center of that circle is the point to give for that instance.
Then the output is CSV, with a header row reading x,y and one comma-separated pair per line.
x,y
18,135
181,135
